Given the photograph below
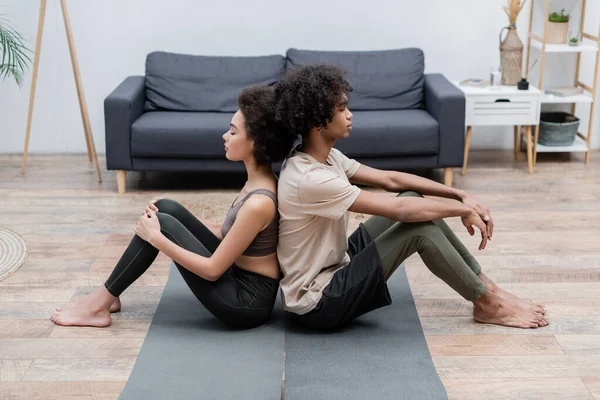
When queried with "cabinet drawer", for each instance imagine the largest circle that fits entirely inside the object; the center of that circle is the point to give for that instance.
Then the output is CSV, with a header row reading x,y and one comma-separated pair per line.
x,y
502,110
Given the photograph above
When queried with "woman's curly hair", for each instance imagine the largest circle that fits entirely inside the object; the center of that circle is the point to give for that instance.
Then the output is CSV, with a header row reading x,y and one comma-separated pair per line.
x,y
271,144
307,96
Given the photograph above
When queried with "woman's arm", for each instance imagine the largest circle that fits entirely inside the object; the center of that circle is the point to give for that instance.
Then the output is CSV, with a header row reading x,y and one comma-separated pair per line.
x,y
253,216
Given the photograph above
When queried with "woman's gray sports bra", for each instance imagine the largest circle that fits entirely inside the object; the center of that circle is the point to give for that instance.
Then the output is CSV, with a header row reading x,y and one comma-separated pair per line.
x,y
265,242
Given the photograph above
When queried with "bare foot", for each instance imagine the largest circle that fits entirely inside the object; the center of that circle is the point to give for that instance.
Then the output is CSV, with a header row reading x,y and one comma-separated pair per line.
x,y
91,310
493,309
492,287
114,307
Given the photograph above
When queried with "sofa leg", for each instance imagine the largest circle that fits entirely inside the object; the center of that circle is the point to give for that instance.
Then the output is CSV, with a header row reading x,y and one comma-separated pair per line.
x,y
121,181
448,176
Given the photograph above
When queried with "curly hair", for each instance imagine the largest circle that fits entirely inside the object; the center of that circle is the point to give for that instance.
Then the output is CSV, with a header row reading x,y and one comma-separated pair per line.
x,y
271,144
307,96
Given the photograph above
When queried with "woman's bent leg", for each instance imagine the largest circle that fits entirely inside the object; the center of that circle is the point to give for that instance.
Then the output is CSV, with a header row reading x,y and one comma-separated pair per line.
x,y
192,224
226,298
93,310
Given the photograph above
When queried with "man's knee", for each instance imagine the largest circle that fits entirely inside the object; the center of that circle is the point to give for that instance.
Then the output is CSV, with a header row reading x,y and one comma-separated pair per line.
x,y
409,193
425,234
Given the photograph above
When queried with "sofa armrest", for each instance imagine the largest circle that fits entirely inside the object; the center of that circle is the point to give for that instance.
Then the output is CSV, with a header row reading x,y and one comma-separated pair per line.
x,y
446,103
121,108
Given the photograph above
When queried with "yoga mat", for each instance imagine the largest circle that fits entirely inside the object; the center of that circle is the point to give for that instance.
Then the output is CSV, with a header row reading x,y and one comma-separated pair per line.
x,y
381,355
189,354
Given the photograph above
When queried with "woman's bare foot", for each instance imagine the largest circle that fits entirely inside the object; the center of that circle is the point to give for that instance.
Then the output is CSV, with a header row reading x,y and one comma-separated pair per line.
x,y
114,307
493,309
492,287
91,310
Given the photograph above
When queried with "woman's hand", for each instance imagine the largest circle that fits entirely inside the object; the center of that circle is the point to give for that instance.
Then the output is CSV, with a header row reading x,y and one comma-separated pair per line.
x,y
151,206
148,227
482,211
475,219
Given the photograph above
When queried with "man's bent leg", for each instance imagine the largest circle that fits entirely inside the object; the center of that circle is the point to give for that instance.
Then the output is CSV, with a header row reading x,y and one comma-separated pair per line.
x,y
443,260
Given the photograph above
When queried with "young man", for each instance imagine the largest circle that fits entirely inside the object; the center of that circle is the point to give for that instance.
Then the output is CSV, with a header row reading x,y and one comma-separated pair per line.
x,y
329,279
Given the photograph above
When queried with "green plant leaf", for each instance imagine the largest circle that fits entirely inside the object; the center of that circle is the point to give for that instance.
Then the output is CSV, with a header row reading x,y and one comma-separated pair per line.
x,y
15,58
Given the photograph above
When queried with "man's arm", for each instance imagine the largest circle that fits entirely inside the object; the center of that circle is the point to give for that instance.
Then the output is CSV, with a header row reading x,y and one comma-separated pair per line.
x,y
418,209
407,209
394,181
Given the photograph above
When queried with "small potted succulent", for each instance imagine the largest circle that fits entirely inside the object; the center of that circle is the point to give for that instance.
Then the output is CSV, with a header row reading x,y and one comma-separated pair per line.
x,y
574,38
558,25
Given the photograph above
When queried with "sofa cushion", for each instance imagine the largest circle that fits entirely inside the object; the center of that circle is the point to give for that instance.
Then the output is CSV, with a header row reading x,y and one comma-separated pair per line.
x,y
391,133
382,80
179,134
181,82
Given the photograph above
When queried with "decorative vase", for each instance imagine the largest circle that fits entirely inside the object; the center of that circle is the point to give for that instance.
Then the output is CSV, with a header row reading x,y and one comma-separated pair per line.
x,y
557,32
511,56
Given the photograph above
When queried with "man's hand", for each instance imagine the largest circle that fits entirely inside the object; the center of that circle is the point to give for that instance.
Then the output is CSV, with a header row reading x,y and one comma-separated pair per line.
x,y
482,211
475,219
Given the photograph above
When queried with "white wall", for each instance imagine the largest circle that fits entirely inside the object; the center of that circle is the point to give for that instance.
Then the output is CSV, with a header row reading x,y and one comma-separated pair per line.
x,y
113,37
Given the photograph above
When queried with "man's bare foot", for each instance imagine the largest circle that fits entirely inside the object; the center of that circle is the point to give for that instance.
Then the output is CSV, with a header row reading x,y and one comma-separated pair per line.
x,y
493,309
114,307
492,287
91,310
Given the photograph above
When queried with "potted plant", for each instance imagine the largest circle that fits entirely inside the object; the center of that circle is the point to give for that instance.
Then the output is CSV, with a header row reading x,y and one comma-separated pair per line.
x,y
558,25
13,53
574,38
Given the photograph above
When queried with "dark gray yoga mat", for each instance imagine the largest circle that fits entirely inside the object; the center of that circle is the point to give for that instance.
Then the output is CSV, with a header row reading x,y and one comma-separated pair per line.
x,y
381,355
188,354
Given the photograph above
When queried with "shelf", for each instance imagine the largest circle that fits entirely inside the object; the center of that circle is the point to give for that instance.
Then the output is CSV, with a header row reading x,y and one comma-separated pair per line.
x,y
579,146
564,48
585,97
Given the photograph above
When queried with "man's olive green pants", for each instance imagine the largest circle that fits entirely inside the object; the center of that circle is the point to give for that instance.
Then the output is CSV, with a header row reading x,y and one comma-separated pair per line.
x,y
441,251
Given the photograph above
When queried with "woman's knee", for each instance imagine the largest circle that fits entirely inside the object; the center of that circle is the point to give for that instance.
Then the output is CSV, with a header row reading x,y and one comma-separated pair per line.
x,y
168,223
168,206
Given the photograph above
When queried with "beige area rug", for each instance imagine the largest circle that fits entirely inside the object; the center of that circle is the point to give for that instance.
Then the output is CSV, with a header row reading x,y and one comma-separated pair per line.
x,y
213,207
13,252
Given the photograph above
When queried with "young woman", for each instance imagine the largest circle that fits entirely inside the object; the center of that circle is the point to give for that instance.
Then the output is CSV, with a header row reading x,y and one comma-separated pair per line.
x,y
232,269
329,279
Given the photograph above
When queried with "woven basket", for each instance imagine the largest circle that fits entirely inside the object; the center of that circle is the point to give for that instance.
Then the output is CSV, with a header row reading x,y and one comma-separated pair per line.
x,y
557,32
558,129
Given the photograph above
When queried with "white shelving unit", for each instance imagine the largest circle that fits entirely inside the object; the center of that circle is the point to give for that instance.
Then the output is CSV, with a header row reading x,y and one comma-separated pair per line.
x,y
586,97
590,44
564,48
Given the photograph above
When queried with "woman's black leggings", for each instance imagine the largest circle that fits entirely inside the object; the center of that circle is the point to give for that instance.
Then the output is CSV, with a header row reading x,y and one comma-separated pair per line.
x,y
239,298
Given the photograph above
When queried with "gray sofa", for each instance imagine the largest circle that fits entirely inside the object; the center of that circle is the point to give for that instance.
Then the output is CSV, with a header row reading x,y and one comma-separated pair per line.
x,y
172,119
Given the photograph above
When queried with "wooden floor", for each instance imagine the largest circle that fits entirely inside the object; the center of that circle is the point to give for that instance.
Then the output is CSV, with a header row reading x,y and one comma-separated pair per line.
x,y
546,247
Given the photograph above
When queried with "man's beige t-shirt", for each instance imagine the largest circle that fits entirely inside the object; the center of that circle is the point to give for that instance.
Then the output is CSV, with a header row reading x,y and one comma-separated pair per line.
x,y
313,202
